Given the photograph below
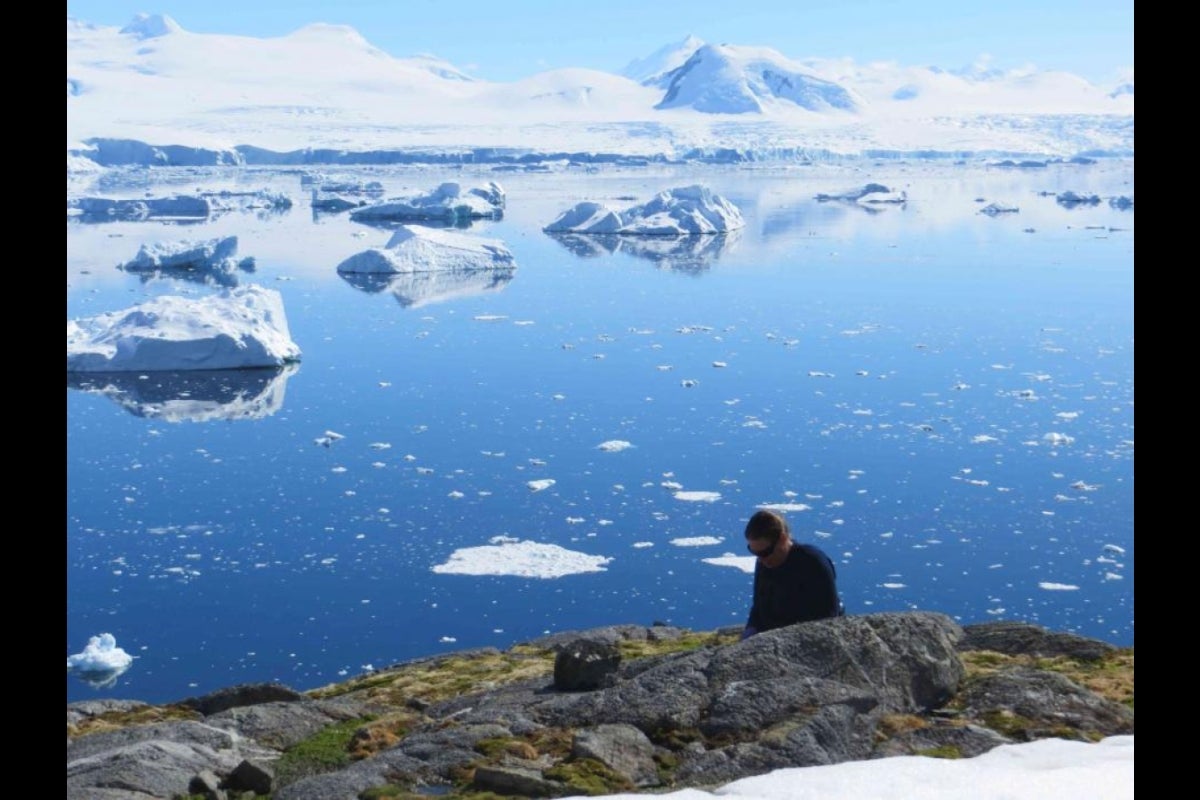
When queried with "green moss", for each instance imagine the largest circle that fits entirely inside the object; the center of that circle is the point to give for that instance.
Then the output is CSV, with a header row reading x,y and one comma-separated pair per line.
x,y
633,649
589,776
386,792
142,715
325,751
945,751
1006,723
666,764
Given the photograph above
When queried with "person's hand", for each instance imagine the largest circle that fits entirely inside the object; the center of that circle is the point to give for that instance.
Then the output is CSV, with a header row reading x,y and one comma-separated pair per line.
x,y
748,632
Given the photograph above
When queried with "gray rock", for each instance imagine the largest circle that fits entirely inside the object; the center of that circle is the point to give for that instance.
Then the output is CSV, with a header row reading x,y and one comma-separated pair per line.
x,y
1022,638
86,709
1049,704
623,748
159,760
968,740
244,695
208,785
251,776
515,780
282,725
585,664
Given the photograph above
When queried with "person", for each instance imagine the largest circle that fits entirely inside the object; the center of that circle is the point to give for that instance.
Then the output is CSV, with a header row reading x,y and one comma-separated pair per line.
x,y
793,582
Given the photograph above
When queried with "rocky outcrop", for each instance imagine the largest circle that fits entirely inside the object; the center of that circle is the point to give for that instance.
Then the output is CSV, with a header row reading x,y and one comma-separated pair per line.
x,y
656,708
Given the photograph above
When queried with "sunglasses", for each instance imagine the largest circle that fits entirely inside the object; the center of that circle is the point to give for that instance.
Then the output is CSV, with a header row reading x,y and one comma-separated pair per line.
x,y
762,553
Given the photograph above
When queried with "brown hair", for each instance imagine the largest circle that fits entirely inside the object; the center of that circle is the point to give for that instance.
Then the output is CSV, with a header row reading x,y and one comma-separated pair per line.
x,y
766,525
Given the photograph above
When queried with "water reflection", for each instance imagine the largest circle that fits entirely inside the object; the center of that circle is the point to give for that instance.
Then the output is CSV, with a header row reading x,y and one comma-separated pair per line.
x,y
416,289
691,254
391,224
191,395
224,275
100,679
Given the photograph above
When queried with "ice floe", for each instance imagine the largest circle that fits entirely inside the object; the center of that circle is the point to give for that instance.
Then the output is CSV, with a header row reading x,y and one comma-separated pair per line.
x,y
235,329
681,211
614,445
523,559
698,497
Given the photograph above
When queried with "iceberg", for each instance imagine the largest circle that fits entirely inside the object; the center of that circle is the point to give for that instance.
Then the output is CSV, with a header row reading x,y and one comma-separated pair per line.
x,y
235,329
191,395
101,662
413,249
207,261
448,203
687,210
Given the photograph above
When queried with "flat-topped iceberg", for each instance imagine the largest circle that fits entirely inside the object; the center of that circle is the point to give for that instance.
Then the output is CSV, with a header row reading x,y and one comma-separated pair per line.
x,y
686,210
414,248
449,203
235,329
209,260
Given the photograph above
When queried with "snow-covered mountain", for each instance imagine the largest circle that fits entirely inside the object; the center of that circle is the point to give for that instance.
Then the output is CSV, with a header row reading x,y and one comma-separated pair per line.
x,y
723,79
654,69
151,85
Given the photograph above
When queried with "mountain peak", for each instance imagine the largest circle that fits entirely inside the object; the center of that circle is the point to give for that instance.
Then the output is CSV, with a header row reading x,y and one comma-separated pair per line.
x,y
150,26
653,69
728,79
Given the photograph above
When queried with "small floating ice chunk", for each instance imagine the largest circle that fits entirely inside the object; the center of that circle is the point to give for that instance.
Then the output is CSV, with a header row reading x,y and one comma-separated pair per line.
x,y
698,497
1057,587
614,445
1114,548
539,485
1058,438
983,438
895,586
744,563
786,506
697,541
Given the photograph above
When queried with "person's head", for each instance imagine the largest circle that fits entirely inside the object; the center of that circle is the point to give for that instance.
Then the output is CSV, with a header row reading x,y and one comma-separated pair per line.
x,y
766,532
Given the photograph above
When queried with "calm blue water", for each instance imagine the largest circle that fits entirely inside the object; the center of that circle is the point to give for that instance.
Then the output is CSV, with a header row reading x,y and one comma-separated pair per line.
x,y
901,373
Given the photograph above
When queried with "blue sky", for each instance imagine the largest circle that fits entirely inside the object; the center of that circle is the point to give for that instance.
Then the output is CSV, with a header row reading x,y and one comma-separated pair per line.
x,y
504,41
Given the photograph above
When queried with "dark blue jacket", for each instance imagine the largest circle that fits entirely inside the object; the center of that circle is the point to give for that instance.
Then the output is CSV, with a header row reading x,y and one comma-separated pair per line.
x,y
802,588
